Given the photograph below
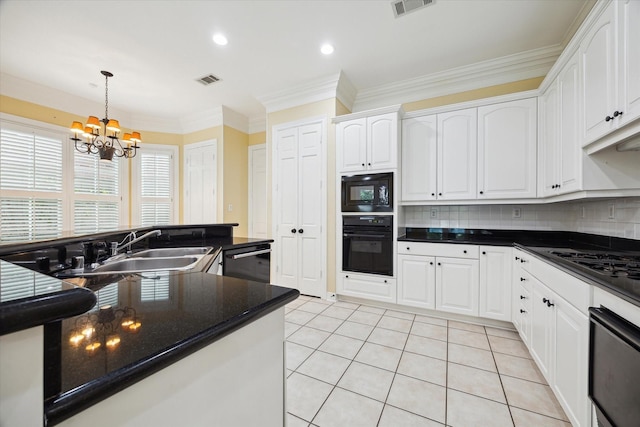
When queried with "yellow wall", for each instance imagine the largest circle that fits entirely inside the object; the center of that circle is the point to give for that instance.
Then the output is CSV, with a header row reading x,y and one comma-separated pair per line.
x,y
236,179
257,138
471,95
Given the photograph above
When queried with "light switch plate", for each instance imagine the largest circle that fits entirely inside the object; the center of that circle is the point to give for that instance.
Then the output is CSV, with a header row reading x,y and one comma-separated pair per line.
x,y
516,213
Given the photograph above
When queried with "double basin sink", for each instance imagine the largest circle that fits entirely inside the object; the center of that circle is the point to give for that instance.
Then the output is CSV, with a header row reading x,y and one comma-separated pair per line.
x,y
153,260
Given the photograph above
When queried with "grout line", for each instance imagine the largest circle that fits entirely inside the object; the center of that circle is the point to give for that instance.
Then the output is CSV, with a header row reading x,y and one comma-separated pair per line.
x,y
501,384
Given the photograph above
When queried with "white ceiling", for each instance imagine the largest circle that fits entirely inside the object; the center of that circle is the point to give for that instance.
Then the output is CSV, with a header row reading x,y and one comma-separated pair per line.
x,y
156,49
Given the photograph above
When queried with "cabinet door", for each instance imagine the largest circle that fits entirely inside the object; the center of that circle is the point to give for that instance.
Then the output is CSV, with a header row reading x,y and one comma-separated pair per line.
x,y
507,148
382,141
598,62
495,283
541,327
457,155
419,158
311,183
286,189
571,335
549,141
352,145
629,59
457,285
570,153
416,281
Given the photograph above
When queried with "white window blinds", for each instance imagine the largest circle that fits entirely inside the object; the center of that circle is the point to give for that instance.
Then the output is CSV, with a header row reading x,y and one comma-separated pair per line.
x,y
97,201
156,181
31,183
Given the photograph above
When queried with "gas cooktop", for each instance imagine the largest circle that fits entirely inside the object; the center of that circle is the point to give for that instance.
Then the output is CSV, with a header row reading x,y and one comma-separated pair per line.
x,y
610,264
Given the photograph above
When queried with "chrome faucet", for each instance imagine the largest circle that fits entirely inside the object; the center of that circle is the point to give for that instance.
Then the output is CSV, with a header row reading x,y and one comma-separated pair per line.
x,y
129,240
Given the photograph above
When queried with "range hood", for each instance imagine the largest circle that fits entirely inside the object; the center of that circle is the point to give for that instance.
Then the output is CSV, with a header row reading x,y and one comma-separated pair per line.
x,y
631,144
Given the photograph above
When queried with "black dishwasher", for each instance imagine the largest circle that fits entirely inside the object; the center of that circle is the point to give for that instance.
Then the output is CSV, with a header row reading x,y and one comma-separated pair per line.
x,y
248,262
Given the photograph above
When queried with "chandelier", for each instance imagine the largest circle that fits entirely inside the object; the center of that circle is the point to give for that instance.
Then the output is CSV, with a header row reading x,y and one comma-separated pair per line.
x,y
103,328
87,138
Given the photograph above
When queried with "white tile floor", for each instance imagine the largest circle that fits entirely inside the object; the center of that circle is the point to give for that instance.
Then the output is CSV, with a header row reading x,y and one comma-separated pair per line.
x,y
351,365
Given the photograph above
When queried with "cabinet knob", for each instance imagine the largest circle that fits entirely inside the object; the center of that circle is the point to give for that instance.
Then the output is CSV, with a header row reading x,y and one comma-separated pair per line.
x,y
484,253
522,261
439,194
465,251
481,192
617,113
293,230
523,297
522,311
548,302
408,248
608,119
433,194
431,263
385,280
522,279
301,231
346,277
369,164
517,258
363,165
439,264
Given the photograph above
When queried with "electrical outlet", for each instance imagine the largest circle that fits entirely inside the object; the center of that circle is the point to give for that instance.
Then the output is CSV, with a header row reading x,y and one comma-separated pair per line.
x,y
516,213
612,211
230,207
434,212
331,296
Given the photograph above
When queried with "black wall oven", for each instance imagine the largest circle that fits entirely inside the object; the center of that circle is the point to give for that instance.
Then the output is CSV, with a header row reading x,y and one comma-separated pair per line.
x,y
367,193
614,369
367,244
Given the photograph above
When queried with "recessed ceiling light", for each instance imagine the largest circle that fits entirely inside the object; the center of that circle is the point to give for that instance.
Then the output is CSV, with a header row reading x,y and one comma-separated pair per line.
x,y
327,49
220,39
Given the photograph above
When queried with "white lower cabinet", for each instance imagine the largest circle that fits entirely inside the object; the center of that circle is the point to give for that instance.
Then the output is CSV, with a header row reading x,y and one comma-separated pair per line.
x,y
554,324
417,281
457,285
495,283
369,286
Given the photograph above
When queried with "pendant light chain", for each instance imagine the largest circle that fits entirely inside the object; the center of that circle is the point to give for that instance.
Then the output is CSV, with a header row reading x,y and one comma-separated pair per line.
x,y
106,97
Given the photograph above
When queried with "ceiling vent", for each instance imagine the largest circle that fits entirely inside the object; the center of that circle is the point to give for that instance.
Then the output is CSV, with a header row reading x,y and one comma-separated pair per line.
x,y
208,79
402,7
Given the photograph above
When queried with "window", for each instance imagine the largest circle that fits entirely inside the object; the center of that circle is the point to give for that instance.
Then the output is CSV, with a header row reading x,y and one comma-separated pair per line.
x,y
97,198
47,187
31,183
154,176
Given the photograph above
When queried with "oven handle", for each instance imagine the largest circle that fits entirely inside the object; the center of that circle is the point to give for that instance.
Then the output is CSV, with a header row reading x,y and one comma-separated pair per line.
x,y
615,325
248,254
364,235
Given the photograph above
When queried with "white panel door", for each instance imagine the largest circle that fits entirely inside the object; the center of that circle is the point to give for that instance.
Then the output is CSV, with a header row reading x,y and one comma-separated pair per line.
x,y
598,62
457,155
549,141
286,218
310,210
419,159
629,59
382,141
200,176
416,281
351,141
570,153
258,191
495,283
457,285
507,148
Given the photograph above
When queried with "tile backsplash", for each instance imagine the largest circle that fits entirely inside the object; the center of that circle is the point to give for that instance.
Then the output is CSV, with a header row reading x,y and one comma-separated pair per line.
x,y
608,217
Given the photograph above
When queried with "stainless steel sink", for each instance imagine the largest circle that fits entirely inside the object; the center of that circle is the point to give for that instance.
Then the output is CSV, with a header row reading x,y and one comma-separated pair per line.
x,y
134,265
171,252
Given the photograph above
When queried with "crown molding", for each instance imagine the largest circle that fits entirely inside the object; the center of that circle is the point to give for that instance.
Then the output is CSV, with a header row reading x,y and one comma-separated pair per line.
x,y
346,92
520,66
311,91
200,120
235,120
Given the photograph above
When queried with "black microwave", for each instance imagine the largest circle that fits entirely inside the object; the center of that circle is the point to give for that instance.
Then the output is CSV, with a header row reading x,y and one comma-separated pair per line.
x,y
367,193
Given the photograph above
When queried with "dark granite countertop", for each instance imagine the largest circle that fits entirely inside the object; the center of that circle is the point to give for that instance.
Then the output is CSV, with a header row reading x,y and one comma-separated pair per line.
x,y
176,313
29,298
540,244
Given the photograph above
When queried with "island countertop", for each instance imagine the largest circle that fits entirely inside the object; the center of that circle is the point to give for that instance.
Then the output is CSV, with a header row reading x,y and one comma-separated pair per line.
x,y
168,315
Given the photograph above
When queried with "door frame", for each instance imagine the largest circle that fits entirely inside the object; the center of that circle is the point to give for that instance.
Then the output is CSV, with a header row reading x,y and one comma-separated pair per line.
x,y
209,142
323,193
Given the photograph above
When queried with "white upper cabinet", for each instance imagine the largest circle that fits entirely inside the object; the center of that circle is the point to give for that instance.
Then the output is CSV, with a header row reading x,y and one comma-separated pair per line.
x,y
610,65
629,58
457,154
560,155
419,158
507,150
368,143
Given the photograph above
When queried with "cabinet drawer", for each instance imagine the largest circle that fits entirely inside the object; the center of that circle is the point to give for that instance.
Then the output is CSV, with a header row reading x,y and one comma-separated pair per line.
x,y
572,289
439,250
378,288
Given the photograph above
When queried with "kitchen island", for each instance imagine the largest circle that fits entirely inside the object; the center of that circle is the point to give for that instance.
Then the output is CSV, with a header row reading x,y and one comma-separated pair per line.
x,y
167,348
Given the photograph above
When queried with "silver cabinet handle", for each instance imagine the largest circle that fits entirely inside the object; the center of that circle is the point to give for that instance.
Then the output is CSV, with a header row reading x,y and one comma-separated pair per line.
x,y
248,254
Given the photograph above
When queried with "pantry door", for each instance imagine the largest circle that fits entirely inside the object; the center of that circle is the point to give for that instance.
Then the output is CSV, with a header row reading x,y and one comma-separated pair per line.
x,y
200,192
